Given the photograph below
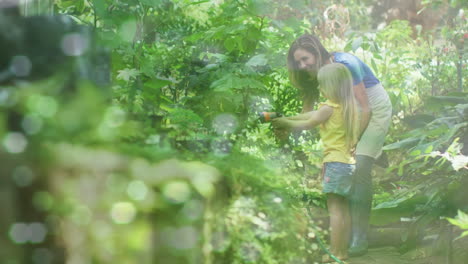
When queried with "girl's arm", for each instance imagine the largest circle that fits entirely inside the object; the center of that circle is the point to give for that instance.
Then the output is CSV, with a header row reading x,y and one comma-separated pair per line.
x,y
314,118
303,116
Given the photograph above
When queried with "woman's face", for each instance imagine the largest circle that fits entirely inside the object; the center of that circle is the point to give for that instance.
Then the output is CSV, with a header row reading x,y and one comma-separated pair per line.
x,y
305,60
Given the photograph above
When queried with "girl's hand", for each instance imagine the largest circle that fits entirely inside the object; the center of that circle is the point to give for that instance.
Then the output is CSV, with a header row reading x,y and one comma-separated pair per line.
x,y
280,123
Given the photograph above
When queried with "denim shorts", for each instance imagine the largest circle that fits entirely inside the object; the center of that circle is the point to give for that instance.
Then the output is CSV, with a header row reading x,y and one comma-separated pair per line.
x,y
338,178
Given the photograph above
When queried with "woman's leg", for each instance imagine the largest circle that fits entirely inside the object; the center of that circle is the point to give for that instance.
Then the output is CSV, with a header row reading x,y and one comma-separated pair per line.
x,y
360,205
338,207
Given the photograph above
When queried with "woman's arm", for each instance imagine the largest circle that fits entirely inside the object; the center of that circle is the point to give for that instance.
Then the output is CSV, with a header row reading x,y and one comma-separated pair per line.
x,y
363,100
314,118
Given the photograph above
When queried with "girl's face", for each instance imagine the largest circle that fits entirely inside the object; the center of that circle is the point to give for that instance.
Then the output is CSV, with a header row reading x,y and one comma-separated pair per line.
x,y
305,60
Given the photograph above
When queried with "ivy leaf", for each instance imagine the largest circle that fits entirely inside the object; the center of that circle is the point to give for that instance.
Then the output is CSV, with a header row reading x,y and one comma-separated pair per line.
x,y
127,74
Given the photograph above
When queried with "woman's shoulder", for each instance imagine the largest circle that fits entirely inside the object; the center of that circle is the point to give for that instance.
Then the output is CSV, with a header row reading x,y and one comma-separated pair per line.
x,y
344,57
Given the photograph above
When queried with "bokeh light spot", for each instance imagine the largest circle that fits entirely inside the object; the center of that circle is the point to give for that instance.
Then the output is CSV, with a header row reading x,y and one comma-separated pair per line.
x,y
74,44
45,106
43,201
137,190
21,66
115,117
177,191
193,210
277,200
82,215
22,233
15,142
19,233
32,124
23,176
8,97
225,124
38,232
123,212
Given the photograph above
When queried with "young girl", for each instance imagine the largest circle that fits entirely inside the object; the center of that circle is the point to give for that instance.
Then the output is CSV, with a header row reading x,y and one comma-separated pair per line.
x,y
339,130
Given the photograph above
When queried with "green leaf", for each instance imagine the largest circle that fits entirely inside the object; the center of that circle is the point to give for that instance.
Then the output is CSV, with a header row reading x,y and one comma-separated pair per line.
x,y
348,47
439,102
231,82
156,84
230,44
100,7
394,60
405,143
374,67
461,220
198,2
152,3
418,120
429,149
257,60
356,43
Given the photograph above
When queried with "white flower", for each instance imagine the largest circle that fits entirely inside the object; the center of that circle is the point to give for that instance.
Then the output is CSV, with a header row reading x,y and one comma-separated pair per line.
x,y
459,162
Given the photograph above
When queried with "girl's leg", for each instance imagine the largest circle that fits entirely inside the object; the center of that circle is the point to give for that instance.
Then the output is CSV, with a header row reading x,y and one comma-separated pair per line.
x,y
360,205
347,225
339,224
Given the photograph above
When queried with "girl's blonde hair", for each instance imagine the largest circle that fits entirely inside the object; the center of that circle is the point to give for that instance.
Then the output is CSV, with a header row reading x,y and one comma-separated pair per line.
x,y
336,84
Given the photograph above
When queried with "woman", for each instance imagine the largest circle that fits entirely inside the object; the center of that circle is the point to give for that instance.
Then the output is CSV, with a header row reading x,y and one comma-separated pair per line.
x,y
305,57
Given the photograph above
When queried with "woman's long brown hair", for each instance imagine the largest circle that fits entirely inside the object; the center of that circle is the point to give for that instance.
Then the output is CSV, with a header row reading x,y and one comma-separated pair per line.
x,y
301,79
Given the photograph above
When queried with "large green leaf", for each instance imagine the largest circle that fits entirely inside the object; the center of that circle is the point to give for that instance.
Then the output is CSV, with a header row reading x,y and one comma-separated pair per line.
x,y
438,102
100,7
418,120
405,143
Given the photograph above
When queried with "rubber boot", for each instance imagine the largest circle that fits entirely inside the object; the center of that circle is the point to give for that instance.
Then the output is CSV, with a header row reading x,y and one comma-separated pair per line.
x,y
360,205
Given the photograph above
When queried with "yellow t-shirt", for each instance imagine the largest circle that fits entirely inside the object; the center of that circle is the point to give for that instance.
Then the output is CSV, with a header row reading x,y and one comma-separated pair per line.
x,y
333,137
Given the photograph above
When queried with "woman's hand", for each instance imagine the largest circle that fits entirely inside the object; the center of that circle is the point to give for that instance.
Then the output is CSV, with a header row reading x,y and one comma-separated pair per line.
x,y
280,123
